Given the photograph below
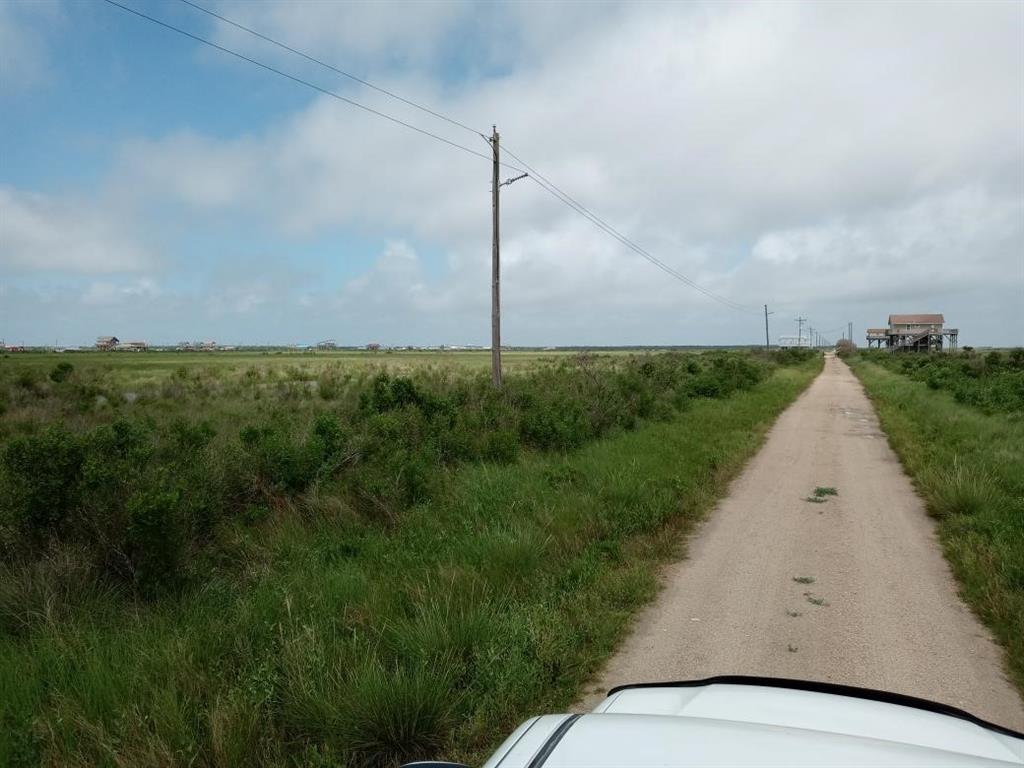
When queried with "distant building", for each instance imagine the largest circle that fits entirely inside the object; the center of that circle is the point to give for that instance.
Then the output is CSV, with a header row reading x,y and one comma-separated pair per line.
x,y
107,342
207,346
329,344
131,346
914,333
373,346
788,342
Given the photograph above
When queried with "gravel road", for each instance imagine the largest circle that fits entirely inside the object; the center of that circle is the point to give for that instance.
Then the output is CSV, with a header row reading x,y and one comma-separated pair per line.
x,y
882,610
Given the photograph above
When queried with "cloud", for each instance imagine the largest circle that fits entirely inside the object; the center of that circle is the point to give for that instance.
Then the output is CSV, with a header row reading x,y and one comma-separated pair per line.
x,y
109,293
40,233
824,157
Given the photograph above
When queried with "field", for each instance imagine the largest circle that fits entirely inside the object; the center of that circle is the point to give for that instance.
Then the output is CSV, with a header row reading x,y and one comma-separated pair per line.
x,y
329,560
957,424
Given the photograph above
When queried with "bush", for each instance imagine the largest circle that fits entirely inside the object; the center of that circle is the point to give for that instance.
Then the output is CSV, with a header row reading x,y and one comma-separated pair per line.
x,y
61,371
138,494
845,347
154,540
42,475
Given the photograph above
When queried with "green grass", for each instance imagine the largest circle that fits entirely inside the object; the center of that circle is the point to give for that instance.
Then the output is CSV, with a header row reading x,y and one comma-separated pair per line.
x,y
318,637
969,467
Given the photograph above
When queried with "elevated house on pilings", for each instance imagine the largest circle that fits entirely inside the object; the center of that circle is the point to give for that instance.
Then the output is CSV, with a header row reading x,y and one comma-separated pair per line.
x,y
914,333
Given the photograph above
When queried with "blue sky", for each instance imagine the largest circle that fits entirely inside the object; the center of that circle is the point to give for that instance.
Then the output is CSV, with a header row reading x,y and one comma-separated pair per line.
x,y
839,161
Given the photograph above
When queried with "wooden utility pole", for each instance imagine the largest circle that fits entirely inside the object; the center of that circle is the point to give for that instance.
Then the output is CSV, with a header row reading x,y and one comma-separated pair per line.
x,y
495,270
800,331
767,344
496,261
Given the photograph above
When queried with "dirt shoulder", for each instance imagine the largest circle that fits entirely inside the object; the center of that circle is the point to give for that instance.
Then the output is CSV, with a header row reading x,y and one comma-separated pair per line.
x,y
882,610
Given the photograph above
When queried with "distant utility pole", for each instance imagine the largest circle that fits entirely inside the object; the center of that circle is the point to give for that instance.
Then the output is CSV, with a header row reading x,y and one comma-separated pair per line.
x,y
767,344
800,330
849,331
496,261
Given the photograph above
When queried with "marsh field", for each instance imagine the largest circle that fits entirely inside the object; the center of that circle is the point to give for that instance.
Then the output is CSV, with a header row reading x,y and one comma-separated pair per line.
x,y
341,559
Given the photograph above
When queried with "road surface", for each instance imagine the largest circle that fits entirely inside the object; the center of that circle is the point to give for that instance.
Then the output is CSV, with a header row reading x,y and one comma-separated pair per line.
x,y
882,610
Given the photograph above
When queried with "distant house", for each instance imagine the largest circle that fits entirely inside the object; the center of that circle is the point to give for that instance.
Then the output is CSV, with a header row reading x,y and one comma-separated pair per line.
x,y
207,346
788,342
373,346
329,344
914,333
107,342
132,346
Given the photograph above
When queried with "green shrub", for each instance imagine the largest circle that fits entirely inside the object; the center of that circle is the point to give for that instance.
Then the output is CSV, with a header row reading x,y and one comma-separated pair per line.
x,y
61,371
42,477
154,540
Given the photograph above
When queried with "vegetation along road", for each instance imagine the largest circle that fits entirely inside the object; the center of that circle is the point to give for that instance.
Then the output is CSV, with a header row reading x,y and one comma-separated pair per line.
x,y
821,563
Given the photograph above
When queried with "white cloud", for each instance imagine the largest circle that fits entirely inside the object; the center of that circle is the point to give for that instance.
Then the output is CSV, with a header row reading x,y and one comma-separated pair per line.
x,y
43,233
823,156
109,293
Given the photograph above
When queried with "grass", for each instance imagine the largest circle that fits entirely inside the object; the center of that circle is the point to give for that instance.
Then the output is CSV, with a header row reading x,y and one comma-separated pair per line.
x,y
317,636
969,467
815,499
803,579
823,491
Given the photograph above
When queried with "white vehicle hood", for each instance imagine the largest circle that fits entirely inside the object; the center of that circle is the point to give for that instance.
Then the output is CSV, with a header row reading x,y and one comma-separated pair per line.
x,y
722,724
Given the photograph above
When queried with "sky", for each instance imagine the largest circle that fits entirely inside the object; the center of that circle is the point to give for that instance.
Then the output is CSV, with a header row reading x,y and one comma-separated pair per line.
x,y
835,161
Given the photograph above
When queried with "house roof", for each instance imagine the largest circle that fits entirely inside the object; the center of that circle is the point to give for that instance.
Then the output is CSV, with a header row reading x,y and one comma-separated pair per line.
x,y
915,319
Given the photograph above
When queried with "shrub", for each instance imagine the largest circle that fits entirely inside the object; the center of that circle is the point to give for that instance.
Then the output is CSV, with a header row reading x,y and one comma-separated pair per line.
x,y
42,475
845,347
154,540
61,371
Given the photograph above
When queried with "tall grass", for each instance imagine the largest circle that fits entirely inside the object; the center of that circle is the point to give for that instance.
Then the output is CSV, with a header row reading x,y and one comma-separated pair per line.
x,y
314,634
969,466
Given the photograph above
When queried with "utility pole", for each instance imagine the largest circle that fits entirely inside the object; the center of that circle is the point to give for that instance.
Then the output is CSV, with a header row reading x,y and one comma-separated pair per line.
x,y
849,331
496,260
767,344
810,337
495,269
800,330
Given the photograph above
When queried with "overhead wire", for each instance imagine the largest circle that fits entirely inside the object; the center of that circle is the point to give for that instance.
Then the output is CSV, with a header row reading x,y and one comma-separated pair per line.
x,y
538,178
331,67
548,186
301,81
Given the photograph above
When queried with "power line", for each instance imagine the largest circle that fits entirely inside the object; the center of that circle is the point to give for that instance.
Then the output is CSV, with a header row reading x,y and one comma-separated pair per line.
x,y
548,186
299,80
331,67
539,178
536,176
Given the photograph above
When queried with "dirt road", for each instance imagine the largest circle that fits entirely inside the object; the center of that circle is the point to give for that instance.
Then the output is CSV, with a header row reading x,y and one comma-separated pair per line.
x,y
882,610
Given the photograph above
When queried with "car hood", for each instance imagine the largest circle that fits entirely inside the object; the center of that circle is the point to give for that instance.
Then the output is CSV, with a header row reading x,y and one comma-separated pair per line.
x,y
719,724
